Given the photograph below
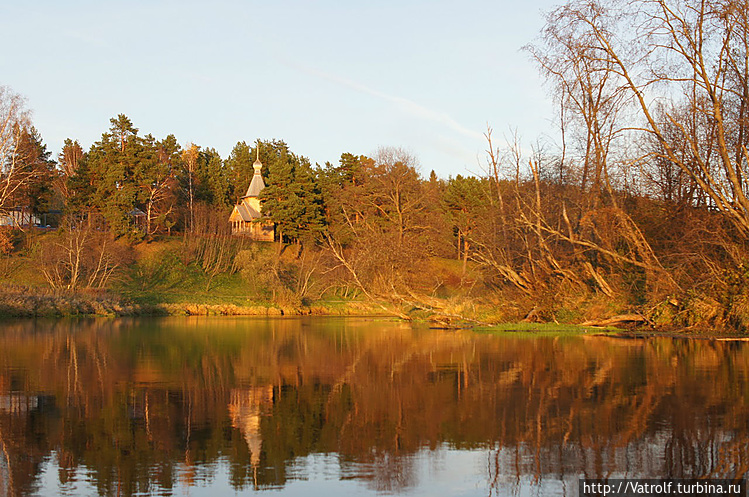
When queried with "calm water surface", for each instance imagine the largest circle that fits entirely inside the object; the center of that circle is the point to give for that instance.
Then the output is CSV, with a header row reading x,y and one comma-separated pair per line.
x,y
215,406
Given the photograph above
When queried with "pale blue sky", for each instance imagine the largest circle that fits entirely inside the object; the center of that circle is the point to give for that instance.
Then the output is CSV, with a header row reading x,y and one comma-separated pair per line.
x,y
325,76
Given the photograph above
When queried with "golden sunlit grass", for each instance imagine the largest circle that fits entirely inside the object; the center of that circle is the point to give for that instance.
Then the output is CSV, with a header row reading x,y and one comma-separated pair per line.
x,y
545,329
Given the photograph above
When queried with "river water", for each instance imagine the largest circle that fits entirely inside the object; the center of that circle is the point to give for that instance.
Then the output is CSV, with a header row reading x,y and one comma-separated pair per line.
x,y
324,406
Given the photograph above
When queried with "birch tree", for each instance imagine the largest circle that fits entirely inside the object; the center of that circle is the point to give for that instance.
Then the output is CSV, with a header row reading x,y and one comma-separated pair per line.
x,y
14,121
190,156
683,68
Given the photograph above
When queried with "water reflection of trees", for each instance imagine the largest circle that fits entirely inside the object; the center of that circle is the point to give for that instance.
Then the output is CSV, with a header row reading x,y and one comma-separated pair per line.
x,y
144,404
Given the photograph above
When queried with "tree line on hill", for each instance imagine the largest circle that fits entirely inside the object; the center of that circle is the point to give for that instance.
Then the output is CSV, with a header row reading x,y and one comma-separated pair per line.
x,y
640,205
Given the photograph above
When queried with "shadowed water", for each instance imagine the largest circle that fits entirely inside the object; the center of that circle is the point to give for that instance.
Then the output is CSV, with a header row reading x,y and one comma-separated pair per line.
x,y
317,406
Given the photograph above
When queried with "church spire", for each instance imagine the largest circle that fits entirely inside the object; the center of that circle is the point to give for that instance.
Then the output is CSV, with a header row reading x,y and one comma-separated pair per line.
x,y
257,183
257,165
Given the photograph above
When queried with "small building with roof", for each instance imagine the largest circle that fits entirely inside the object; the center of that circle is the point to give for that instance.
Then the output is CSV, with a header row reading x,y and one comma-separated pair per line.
x,y
18,217
247,219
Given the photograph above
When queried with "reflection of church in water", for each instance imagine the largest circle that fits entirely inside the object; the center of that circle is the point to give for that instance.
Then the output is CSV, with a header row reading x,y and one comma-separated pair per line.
x,y
246,408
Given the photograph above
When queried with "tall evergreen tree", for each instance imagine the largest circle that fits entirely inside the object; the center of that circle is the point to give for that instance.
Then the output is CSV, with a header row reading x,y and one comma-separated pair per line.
x,y
156,171
68,162
33,159
81,188
214,187
343,194
292,198
112,160
238,167
465,201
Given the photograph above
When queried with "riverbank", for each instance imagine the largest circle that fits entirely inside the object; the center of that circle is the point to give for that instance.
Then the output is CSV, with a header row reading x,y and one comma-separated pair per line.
x,y
164,277
20,302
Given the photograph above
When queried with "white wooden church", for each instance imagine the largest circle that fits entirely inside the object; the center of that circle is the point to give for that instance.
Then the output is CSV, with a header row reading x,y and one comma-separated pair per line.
x,y
247,219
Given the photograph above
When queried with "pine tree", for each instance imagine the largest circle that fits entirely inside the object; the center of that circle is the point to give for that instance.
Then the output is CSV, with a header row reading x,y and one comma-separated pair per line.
x,y
465,202
155,174
113,162
33,160
80,187
292,198
68,163
238,170
213,182
342,189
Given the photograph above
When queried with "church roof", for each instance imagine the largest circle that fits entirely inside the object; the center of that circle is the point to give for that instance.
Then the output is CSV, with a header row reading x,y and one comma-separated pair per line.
x,y
245,212
257,184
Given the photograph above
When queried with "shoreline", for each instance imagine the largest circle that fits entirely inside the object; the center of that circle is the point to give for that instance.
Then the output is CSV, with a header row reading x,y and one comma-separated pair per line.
x,y
25,303
60,304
